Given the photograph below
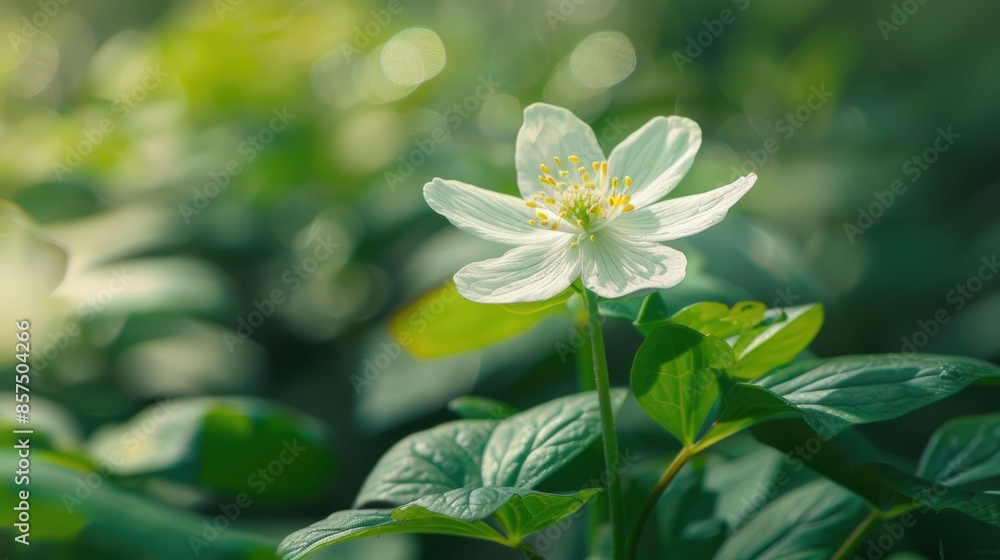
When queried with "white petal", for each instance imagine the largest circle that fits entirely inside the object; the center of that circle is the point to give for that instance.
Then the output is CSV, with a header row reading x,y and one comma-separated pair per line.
x,y
486,214
684,216
656,157
614,267
549,131
528,273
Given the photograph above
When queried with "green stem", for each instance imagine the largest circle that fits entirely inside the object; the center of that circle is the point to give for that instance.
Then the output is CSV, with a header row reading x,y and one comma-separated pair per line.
x,y
647,508
858,536
597,514
611,457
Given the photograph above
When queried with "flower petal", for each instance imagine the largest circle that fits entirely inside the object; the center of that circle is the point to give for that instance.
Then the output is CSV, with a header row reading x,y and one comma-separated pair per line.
x,y
486,214
684,216
523,274
613,267
656,157
549,131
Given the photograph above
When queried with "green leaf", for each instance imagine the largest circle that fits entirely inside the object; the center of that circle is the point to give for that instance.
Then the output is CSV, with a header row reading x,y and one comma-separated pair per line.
x,y
219,444
674,377
480,408
841,392
442,323
450,478
984,506
83,514
810,522
769,346
743,406
963,451
645,312
717,319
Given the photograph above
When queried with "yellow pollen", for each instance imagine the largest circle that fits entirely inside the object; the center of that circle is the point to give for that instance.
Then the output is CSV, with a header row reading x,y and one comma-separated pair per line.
x,y
550,201
557,160
592,238
597,166
581,170
531,204
579,223
573,244
532,223
544,168
563,214
544,222
555,225
542,215
574,159
628,181
614,182
604,167
563,173
628,208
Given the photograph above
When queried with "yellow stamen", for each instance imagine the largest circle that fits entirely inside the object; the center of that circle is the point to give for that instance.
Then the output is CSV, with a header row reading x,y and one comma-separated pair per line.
x,y
531,204
614,182
550,201
542,215
555,225
532,223
574,159
544,222
592,238
557,160
628,181
597,166
628,208
544,168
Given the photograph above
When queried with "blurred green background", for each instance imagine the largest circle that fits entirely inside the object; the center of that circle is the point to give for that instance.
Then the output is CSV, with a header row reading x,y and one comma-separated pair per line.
x,y
222,214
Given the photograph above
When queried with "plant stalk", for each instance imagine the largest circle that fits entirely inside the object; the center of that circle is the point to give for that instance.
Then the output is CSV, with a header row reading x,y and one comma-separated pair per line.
x,y
611,458
654,496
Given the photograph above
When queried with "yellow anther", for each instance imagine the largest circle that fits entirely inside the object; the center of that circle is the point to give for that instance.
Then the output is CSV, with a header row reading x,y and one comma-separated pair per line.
x,y
563,214
544,222
539,195
628,181
586,176
541,215
557,160
579,223
628,208
574,159
592,238
597,166
573,244
614,182
531,204
550,201
554,226
544,168
581,170
543,180
532,223
564,173
604,167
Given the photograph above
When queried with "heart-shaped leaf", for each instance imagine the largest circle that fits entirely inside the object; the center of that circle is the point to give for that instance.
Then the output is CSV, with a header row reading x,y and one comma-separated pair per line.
x,y
674,377
451,478
764,348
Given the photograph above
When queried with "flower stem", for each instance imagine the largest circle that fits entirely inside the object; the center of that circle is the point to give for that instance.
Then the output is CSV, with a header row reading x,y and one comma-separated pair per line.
x,y
859,534
654,496
611,457
597,514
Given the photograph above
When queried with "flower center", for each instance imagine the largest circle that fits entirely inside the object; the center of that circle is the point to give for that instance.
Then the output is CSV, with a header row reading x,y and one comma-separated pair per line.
x,y
575,196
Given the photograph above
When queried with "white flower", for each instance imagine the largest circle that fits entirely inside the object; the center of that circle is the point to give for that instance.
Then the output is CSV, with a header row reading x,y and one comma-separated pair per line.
x,y
584,216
